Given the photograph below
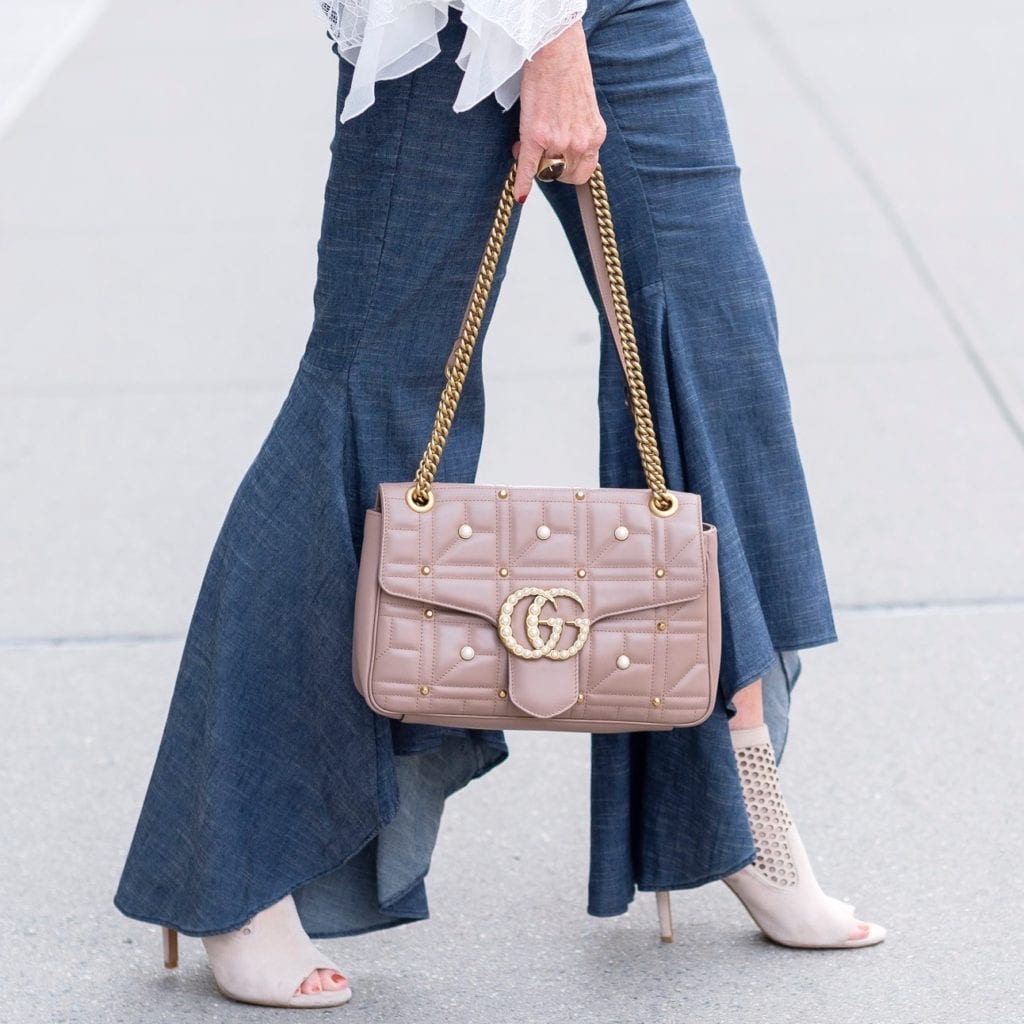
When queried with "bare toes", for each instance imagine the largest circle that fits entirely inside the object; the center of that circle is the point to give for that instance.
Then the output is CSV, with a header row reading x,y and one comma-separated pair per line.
x,y
312,984
331,980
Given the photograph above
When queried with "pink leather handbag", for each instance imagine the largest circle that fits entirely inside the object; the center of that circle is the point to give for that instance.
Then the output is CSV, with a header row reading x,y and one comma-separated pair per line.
x,y
569,608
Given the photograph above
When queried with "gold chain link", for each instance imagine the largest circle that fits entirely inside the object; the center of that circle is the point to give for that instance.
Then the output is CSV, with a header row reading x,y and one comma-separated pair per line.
x,y
662,501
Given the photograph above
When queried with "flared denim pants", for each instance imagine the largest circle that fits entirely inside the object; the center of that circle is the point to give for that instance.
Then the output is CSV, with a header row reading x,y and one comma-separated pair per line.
x,y
273,775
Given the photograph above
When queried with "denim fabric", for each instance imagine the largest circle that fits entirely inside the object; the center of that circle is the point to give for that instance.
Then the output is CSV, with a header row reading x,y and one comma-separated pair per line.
x,y
272,775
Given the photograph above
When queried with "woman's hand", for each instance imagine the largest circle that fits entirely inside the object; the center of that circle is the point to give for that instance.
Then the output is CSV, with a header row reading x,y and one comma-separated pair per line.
x,y
558,112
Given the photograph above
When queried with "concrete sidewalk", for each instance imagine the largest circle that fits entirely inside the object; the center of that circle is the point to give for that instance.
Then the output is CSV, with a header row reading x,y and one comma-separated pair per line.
x,y
159,209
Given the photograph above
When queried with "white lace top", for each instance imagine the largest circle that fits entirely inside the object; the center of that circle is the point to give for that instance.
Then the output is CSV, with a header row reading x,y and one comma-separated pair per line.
x,y
388,38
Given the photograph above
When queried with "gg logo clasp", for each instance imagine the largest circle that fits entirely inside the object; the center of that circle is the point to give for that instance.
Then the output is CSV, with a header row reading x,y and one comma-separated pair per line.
x,y
541,648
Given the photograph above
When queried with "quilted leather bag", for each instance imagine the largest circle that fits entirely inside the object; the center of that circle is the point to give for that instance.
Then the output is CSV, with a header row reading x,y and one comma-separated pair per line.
x,y
567,608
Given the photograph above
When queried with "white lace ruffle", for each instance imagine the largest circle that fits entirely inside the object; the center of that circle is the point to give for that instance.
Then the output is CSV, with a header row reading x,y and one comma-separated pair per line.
x,y
385,39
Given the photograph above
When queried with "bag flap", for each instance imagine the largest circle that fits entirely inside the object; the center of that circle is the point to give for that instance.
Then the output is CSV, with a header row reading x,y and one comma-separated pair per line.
x,y
425,557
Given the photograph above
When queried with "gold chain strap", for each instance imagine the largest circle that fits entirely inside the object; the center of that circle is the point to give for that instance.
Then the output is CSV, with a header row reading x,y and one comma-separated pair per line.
x,y
419,496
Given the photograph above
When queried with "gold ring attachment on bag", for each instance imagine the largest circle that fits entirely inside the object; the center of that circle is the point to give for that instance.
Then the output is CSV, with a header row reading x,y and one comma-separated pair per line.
x,y
664,512
412,504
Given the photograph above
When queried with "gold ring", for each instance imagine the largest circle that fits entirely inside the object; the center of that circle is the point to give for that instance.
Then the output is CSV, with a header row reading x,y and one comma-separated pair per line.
x,y
652,504
412,503
551,167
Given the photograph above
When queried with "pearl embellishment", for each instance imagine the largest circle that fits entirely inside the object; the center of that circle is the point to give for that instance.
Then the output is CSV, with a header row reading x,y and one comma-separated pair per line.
x,y
622,661
621,533
543,532
467,653
465,531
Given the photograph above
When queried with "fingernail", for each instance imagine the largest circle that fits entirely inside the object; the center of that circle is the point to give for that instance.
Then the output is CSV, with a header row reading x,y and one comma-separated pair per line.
x,y
336,978
522,198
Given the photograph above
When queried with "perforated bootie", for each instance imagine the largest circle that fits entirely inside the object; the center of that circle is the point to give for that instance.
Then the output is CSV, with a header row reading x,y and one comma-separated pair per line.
x,y
779,889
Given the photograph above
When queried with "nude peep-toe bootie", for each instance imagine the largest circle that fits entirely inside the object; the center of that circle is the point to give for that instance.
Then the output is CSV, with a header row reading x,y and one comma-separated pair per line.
x,y
779,890
266,960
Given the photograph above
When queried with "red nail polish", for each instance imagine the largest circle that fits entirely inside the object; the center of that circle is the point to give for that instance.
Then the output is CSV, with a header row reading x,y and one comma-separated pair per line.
x,y
522,198
337,978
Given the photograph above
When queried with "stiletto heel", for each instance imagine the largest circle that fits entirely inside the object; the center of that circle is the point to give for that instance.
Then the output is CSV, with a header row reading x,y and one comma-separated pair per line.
x,y
170,947
779,889
664,900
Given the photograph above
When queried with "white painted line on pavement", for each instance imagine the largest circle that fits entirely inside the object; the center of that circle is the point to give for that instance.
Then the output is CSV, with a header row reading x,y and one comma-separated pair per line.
x,y
76,27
